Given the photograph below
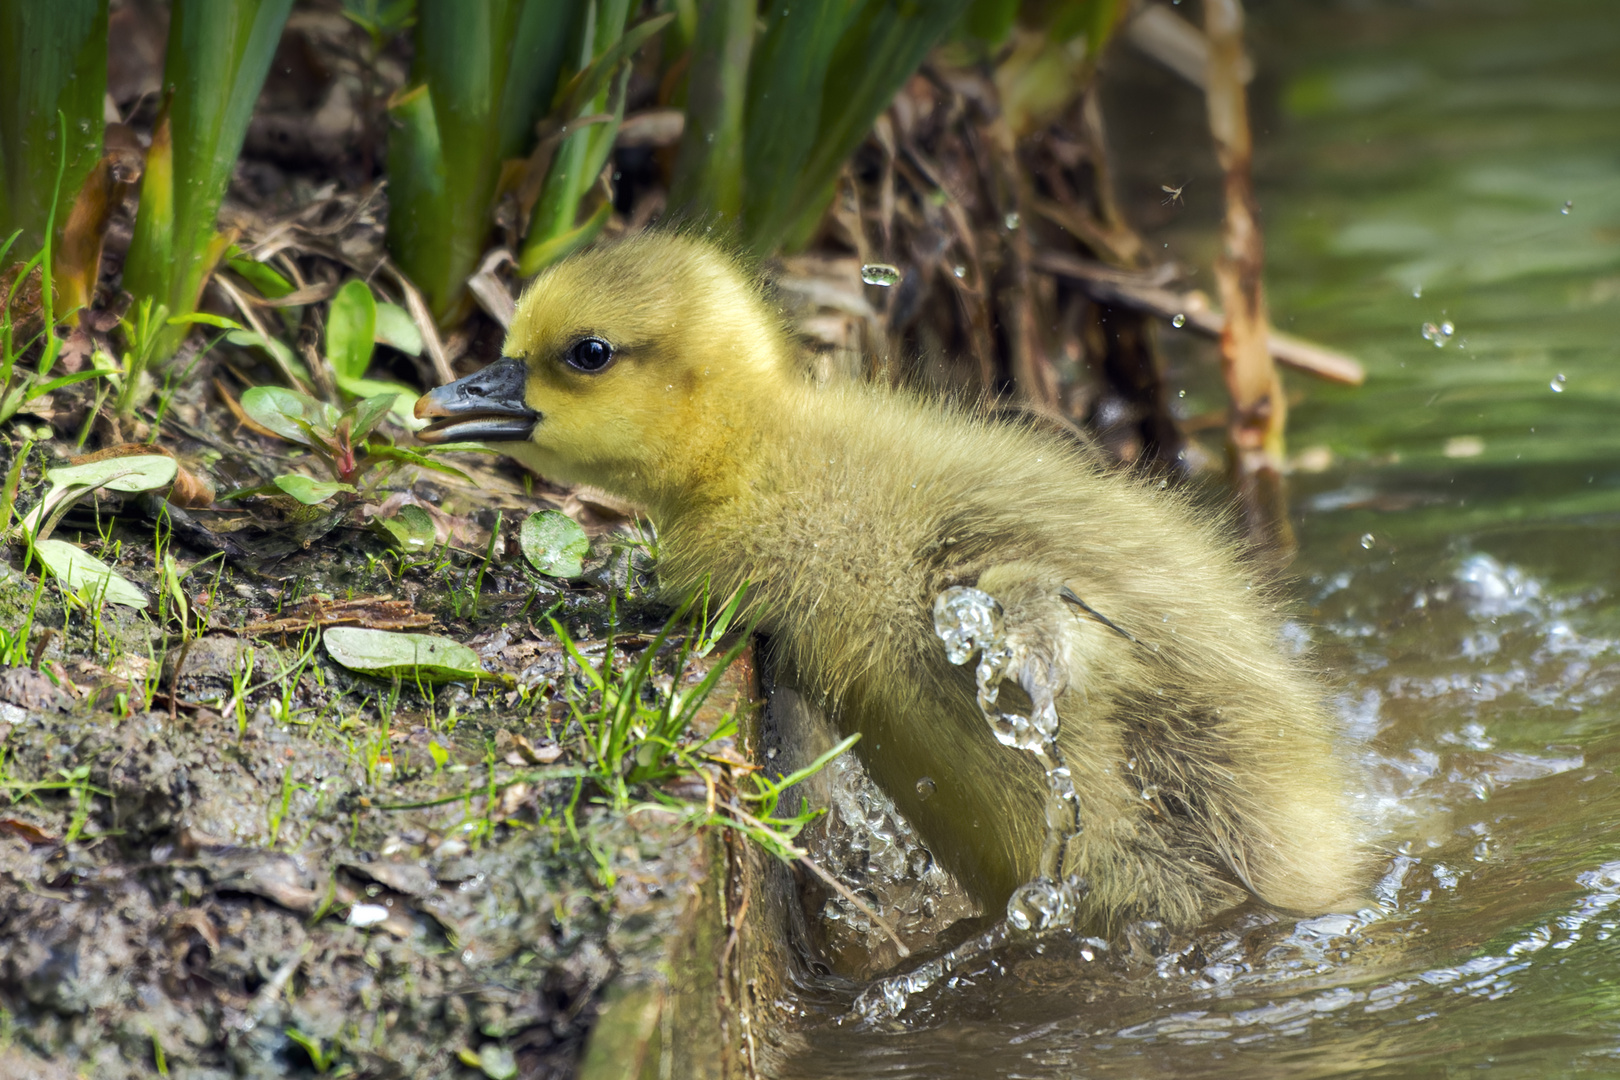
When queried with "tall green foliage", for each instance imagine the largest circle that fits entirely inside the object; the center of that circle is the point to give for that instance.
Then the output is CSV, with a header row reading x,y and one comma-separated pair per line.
x,y
485,71
53,58
218,55
762,150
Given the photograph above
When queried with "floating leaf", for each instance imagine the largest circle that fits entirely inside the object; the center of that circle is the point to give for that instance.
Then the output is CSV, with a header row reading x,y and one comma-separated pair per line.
x,y
82,572
554,543
351,328
395,327
385,654
410,530
308,490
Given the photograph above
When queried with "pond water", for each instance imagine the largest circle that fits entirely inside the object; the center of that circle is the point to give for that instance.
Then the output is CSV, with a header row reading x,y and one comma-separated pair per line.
x,y
1460,556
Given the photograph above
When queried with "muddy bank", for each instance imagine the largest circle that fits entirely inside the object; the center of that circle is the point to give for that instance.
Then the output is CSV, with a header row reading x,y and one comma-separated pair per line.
x,y
261,864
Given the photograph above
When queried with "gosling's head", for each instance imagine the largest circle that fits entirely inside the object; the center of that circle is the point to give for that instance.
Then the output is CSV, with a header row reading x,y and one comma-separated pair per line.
x,y
628,367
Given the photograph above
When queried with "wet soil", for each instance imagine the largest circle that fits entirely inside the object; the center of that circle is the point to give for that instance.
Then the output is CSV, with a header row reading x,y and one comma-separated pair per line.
x,y
322,874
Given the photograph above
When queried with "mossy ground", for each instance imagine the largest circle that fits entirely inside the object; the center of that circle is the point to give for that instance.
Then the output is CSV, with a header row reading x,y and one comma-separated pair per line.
x,y
226,884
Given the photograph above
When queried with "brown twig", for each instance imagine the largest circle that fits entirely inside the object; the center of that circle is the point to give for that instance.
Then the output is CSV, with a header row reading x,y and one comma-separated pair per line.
x,y
1259,409
1147,292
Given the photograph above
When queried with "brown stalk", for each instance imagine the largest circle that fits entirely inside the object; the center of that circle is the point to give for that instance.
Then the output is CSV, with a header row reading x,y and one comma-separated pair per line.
x,y
1259,409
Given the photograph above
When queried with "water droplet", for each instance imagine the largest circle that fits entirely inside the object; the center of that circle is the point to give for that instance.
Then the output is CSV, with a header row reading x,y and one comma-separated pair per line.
x,y
1012,220
1557,384
1569,204
1179,321
1439,333
1181,393
880,274
1367,540
1417,292
960,271
926,788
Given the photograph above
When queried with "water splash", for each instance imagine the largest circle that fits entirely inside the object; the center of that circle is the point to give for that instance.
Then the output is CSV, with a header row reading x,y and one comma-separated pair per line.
x,y
971,621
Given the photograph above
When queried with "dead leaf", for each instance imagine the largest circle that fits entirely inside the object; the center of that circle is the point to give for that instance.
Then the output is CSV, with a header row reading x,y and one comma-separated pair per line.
x,y
26,831
369,612
78,261
536,755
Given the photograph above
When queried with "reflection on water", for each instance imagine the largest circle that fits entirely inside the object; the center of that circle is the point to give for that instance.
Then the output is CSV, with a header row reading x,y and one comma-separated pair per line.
x,y
1455,162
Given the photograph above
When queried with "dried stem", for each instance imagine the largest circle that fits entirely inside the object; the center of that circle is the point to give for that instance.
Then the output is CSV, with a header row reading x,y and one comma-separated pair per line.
x,y
1259,409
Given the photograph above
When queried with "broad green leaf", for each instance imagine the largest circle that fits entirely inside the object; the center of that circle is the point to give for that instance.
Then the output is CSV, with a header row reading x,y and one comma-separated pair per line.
x,y
402,398
410,530
536,257
308,490
578,160
554,543
880,47
384,654
139,472
497,1062
351,328
395,327
369,413
82,572
709,165
281,410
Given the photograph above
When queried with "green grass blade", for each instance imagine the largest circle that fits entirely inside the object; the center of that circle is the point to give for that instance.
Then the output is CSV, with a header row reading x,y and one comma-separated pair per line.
x,y
489,68
786,84
53,57
883,44
581,155
708,179
219,52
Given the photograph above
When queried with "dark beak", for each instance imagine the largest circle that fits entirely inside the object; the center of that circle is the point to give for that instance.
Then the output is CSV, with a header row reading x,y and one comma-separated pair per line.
x,y
487,406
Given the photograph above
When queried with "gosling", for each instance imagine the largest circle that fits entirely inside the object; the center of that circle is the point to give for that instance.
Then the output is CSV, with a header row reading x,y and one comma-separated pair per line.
x,y
1203,760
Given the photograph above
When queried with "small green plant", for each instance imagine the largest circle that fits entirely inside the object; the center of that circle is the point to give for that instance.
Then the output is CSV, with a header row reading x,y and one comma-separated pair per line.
x,y
319,1057
277,814
14,640
345,441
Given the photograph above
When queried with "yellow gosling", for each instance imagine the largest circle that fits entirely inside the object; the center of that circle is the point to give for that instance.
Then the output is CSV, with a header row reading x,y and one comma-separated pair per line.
x,y
658,370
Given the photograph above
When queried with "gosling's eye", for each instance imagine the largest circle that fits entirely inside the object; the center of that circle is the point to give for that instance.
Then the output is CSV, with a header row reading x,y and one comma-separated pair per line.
x,y
590,354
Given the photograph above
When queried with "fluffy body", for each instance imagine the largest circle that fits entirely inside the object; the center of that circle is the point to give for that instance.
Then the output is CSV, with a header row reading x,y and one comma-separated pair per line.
x,y
1203,759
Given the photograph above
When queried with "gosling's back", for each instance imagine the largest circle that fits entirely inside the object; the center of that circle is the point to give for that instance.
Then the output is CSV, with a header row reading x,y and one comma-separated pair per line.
x,y
1203,759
